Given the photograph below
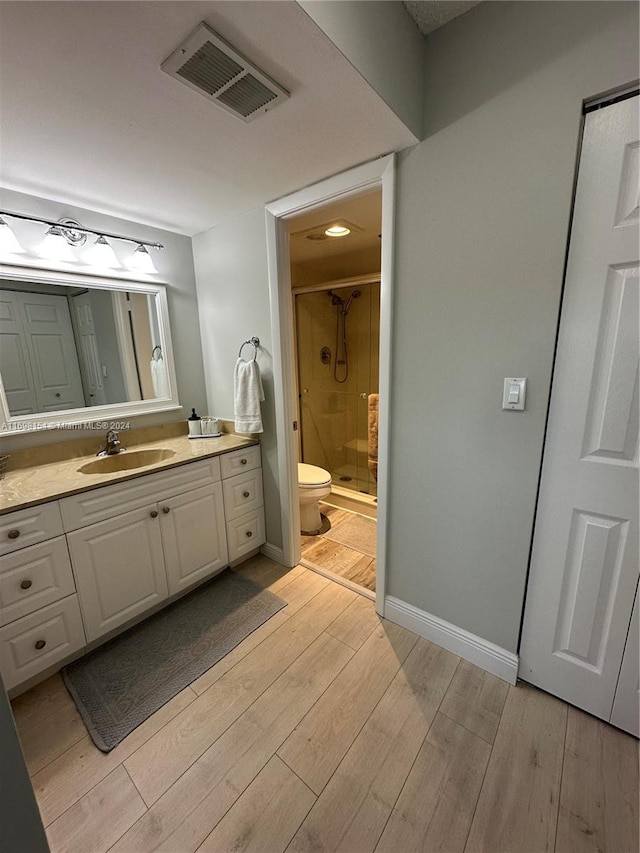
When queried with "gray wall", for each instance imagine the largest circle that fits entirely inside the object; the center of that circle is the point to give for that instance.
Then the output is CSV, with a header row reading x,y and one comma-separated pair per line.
x,y
174,265
382,42
21,828
233,299
483,208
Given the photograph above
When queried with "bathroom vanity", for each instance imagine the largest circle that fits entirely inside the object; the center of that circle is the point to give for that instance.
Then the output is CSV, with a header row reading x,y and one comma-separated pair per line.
x,y
84,556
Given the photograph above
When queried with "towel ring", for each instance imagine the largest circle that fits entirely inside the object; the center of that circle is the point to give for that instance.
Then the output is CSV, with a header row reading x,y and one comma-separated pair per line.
x,y
153,353
255,342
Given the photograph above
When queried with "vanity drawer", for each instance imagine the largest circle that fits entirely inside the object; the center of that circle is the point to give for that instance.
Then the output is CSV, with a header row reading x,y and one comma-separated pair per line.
x,y
34,577
242,494
35,642
240,460
245,534
109,501
26,527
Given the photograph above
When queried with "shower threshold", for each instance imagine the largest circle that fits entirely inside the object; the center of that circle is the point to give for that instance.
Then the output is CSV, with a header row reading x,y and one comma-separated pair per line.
x,y
358,502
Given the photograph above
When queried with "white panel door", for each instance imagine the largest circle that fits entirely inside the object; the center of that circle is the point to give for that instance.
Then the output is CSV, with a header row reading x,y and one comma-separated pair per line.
x,y
584,568
88,355
193,536
626,705
17,376
47,326
119,569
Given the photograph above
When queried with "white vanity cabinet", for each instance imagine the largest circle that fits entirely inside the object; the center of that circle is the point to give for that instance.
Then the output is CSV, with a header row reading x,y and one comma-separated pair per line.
x,y
39,613
76,570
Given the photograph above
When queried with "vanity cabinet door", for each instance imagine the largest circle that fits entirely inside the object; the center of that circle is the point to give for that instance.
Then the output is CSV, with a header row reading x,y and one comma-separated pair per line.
x,y
193,536
119,569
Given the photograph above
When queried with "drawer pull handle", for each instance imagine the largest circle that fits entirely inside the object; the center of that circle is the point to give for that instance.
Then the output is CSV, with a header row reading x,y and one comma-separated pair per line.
x,y
13,534
40,644
249,534
154,513
243,461
245,494
26,584
166,509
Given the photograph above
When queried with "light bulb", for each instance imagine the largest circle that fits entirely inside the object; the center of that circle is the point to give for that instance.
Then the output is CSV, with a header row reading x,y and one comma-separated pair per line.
x,y
101,254
8,241
55,245
141,260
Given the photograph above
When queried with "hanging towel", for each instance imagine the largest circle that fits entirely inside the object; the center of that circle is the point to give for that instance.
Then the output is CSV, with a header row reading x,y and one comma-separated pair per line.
x,y
247,396
159,378
373,435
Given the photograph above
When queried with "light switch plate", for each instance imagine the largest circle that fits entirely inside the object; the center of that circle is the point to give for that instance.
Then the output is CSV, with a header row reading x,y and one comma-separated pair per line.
x,y
514,394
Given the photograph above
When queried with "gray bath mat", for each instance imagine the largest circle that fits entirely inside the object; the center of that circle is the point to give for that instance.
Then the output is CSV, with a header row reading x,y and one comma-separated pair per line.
x,y
117,686
357,532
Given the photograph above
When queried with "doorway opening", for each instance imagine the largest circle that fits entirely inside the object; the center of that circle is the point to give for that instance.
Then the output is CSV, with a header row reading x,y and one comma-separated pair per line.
x,y
297,288
335,285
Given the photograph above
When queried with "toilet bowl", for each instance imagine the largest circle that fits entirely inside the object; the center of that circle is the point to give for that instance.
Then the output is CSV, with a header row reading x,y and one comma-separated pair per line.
x,y
314,484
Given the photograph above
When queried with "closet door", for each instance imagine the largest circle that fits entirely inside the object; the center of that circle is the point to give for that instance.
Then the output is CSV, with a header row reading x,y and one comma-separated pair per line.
x,y
584,569
626,705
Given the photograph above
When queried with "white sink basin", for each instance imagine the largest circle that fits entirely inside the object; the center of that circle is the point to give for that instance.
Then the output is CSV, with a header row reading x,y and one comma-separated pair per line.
x,y
126,461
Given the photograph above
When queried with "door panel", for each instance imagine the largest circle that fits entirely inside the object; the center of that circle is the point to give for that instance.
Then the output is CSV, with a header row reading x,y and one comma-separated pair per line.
x,y
584,568
626,705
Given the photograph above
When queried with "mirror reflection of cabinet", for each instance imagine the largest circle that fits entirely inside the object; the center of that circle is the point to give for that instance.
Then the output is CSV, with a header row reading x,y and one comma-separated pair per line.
x,y
71,344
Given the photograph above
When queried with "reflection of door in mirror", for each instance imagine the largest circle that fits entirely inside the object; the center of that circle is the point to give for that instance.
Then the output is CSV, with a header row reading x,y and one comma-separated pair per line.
x,y
38,359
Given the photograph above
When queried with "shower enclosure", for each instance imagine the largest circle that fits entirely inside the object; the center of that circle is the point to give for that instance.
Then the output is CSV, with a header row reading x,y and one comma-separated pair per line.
x,y
337,332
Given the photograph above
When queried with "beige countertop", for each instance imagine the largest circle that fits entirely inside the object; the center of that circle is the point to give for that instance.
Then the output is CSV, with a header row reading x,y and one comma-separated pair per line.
x,y
26,486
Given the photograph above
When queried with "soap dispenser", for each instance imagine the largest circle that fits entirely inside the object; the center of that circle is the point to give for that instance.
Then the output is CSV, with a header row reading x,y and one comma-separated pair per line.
x,y
195,427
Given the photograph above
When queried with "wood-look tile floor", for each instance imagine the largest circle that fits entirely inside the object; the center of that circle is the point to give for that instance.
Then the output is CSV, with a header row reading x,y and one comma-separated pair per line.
x,y
330,729
335,558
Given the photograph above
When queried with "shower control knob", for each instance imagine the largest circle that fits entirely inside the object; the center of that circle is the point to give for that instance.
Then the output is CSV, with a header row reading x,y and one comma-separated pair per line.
x,y
364,395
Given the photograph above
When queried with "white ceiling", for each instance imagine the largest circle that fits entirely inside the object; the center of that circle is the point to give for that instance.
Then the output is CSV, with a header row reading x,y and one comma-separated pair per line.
x,y
429,15
88,117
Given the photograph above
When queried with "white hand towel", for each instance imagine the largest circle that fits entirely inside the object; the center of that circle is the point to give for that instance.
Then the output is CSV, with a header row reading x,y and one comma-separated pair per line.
x,y
247,396
159,378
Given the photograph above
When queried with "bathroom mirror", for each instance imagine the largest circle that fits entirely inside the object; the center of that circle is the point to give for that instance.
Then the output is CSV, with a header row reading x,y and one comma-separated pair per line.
x,y
78,349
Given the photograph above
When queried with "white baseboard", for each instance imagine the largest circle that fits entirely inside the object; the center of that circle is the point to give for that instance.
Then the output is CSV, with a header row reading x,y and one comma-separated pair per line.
x,y
486,655
273,552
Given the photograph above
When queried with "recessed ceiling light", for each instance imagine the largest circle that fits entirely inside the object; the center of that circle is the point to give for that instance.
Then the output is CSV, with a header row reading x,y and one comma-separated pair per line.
x,y
337,231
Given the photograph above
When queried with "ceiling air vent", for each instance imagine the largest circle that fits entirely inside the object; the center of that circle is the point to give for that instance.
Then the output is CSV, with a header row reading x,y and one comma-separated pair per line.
x,y
207,63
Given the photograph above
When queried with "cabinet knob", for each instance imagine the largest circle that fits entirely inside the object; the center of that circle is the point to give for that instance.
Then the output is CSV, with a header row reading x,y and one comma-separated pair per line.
x,y
154,513
243,461
57,394
166,509
26,584
245,494
40,644
249,534
13,534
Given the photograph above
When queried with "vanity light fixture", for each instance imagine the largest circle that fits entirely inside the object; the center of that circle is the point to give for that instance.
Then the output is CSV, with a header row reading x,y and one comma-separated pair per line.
x,y
101,254
55,245
337,231
141,260
64,234
9,244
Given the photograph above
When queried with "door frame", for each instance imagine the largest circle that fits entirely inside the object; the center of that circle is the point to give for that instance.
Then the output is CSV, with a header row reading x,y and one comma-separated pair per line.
x,y
377,174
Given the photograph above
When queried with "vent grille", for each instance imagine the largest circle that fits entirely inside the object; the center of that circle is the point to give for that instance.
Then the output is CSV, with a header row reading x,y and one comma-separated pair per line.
x,y
208,64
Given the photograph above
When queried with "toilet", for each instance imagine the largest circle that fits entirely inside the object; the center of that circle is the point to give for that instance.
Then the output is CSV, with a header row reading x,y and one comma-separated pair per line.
x,y
314,484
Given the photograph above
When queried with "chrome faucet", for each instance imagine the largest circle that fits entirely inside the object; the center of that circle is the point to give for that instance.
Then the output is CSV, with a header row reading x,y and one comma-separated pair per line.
x,y
113,445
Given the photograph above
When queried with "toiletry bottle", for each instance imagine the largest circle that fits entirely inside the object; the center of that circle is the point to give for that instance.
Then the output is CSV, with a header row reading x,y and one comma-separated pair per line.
x,y
193,421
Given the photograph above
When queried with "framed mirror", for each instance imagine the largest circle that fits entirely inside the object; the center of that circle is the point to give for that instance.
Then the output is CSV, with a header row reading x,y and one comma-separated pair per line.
x,y
78,349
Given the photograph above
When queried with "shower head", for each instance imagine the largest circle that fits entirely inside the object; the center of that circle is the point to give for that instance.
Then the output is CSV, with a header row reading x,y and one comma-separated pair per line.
x,y
354,295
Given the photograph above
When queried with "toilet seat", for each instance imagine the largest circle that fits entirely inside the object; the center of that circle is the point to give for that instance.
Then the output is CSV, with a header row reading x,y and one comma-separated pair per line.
x,y
312,476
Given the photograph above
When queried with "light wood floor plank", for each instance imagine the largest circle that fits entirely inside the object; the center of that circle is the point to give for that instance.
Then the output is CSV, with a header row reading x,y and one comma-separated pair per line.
x,y
297,593
100,818
158,763
475,699
318,744
266,816
435,808
70,776
599,797
356,624
266,572
185,815
51,737
352,810
518,805
40,702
